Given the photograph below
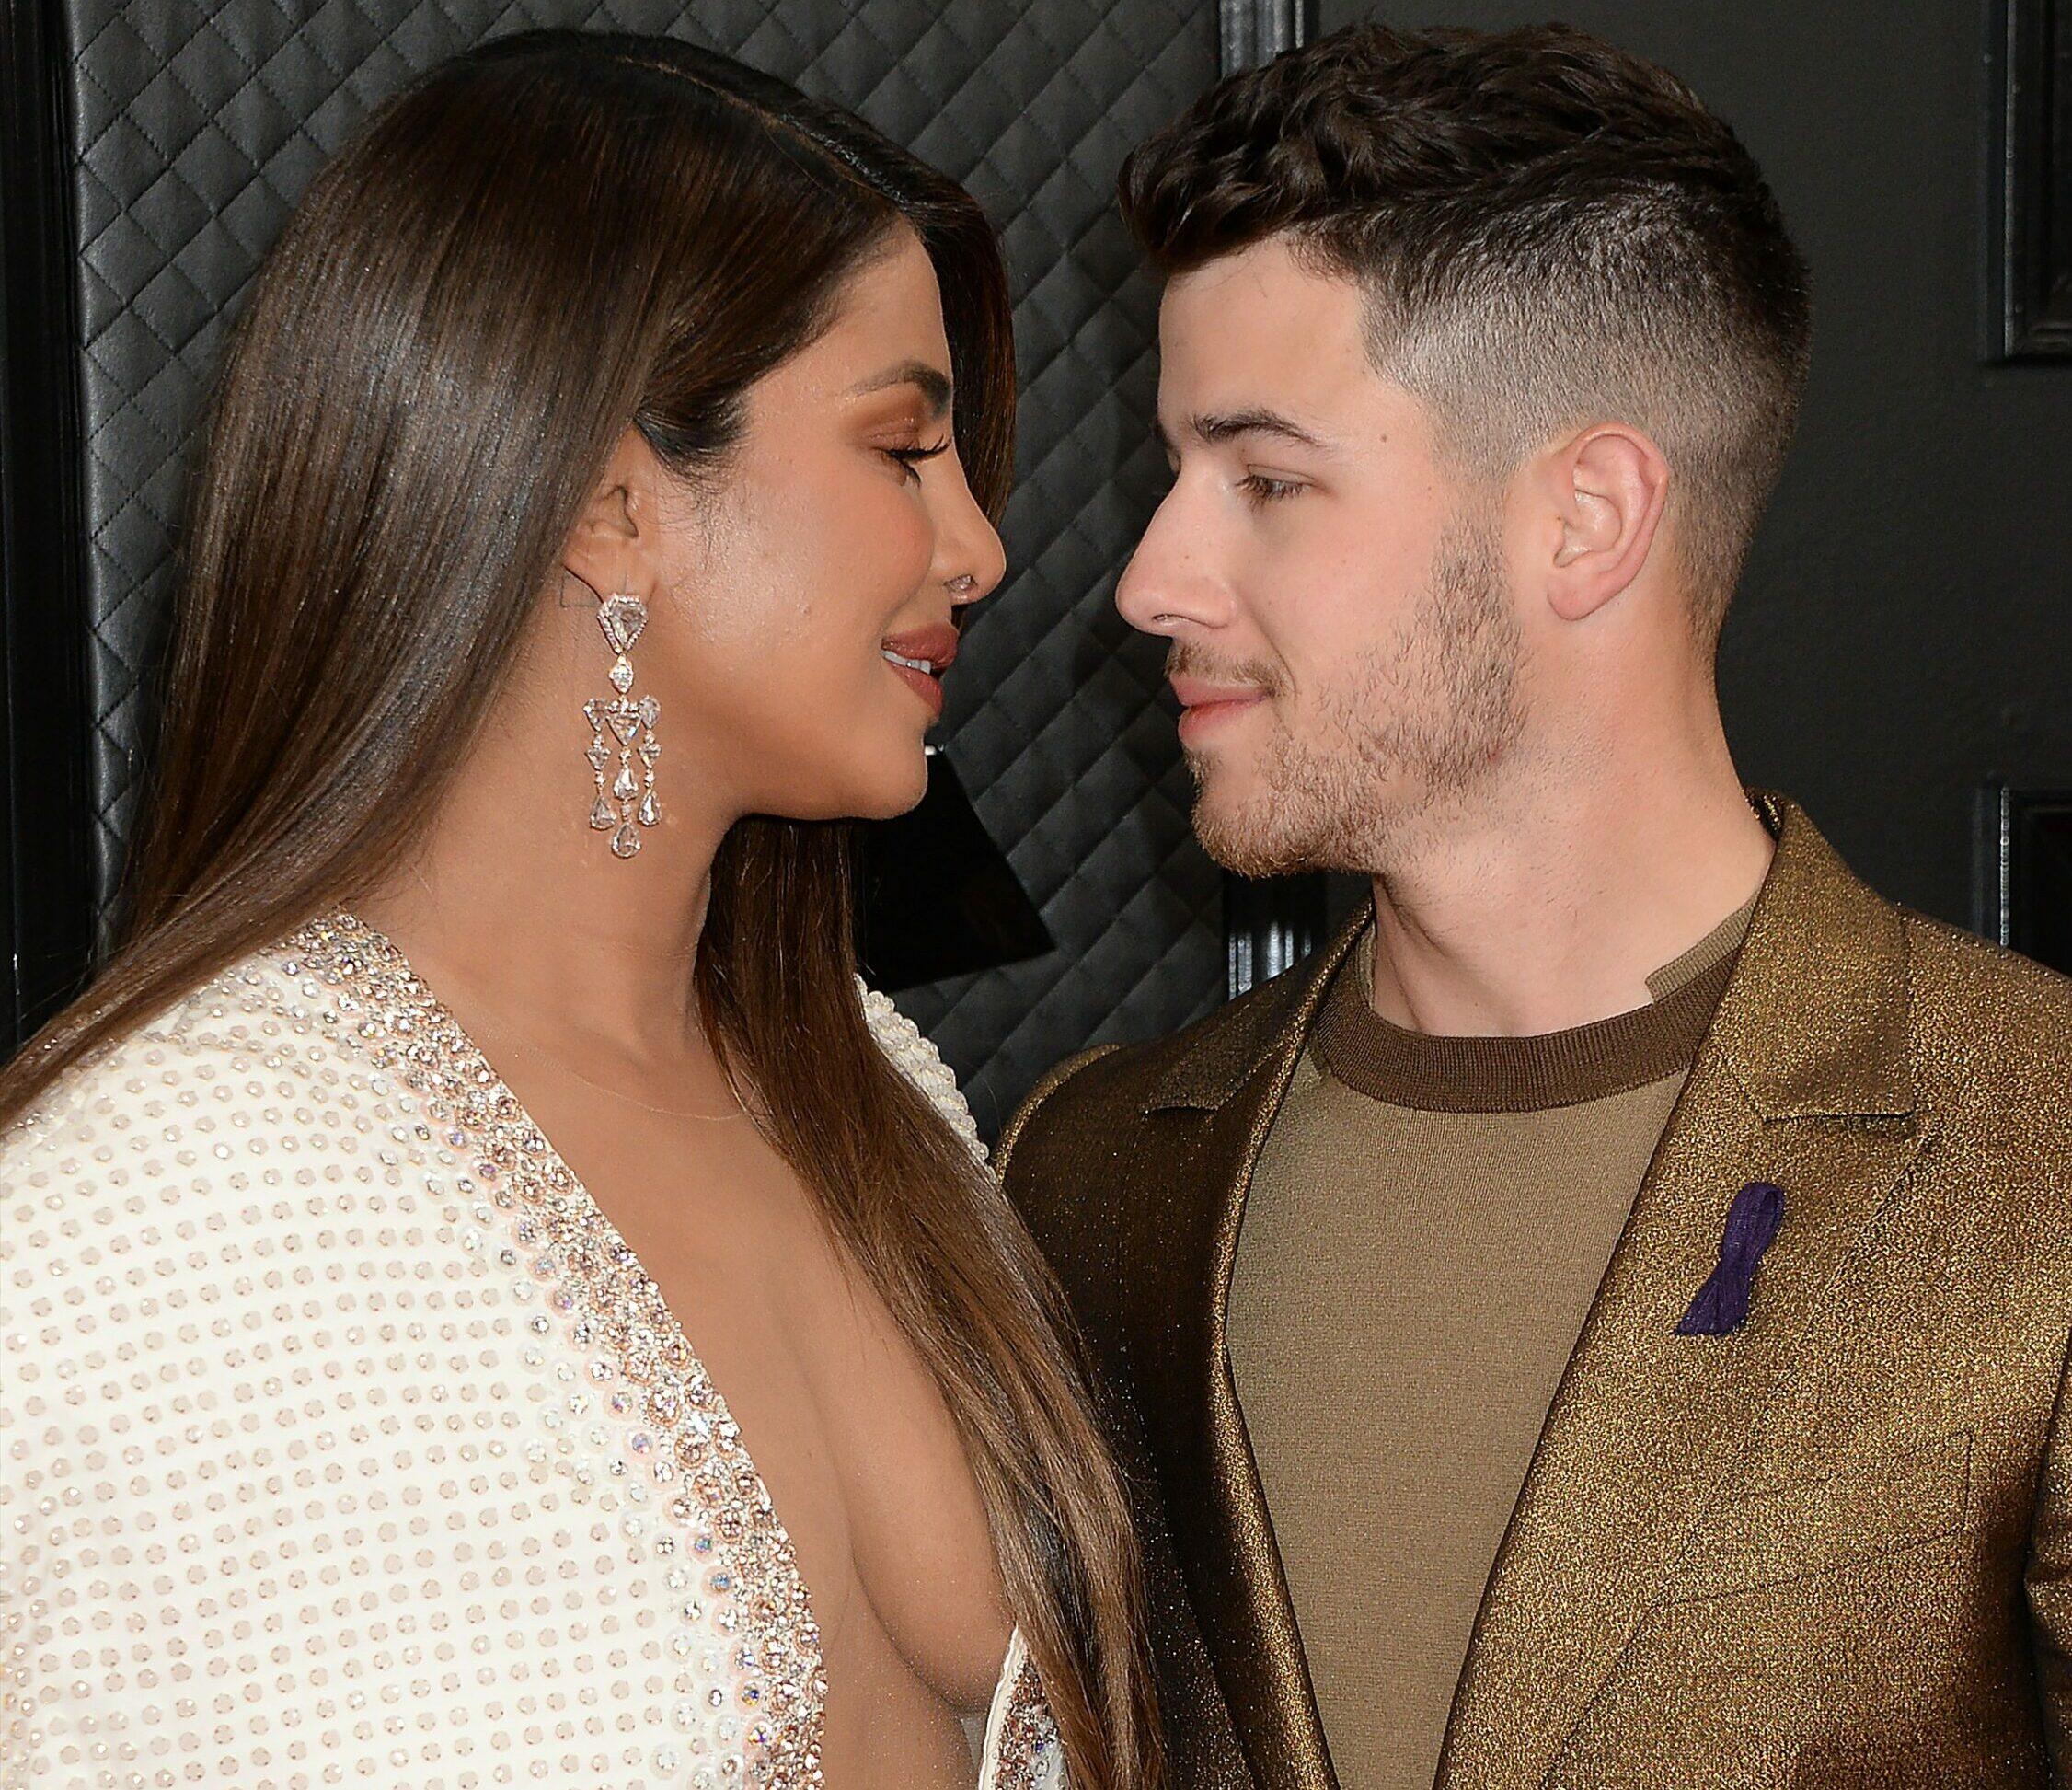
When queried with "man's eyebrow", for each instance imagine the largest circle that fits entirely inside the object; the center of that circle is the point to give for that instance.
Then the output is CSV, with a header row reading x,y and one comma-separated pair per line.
x,y
1216,427
933,383
1222,427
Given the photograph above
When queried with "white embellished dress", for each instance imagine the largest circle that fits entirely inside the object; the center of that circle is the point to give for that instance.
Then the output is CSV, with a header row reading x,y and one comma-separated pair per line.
x,y
344,1441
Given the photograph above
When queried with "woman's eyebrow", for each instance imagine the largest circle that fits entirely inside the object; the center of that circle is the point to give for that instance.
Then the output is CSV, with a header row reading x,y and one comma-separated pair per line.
x,y
933,383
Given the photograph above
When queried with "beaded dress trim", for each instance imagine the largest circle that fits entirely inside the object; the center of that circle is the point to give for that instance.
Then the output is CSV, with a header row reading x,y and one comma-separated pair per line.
x,y
617,1315
1022,1749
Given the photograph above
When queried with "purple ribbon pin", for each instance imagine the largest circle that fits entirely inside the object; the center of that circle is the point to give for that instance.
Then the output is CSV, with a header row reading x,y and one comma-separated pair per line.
x,y
1722,1305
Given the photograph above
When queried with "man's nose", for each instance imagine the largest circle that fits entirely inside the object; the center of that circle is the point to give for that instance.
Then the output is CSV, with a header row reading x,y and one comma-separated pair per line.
x,y
1170,583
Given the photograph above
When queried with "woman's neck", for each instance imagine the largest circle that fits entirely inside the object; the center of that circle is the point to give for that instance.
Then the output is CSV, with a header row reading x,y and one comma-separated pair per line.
x,y
512,900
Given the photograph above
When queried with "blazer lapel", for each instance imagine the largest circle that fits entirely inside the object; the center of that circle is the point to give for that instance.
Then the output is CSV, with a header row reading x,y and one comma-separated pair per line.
x,y
1802,1081
1219,1101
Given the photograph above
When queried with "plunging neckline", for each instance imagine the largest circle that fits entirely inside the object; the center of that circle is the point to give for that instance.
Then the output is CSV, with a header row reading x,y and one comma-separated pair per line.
x,y
615,1315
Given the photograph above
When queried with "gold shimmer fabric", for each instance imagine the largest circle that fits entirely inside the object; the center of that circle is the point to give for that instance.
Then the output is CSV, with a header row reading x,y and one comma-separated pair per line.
x,y
1418,1198
1833,1548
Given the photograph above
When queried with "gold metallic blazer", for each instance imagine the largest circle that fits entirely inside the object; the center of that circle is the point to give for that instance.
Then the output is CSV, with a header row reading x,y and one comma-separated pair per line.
x,y
1834,1547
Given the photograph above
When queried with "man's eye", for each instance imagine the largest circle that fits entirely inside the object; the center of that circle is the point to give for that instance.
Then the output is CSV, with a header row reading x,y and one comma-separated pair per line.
x,y
1263,489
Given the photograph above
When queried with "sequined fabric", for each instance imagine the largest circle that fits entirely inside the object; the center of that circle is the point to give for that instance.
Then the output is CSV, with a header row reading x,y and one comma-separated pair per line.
x,y
342,1439
1022,1751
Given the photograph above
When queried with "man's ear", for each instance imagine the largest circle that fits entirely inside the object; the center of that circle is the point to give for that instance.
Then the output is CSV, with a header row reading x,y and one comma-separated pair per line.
x,y
1607,486
611,545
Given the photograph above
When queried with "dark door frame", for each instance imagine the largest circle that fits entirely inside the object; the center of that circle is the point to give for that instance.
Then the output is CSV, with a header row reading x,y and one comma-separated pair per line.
x,y
1255,31
46,871
2030,290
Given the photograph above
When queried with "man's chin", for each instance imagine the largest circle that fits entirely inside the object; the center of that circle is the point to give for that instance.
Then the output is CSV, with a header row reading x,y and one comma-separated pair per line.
x,y
1248,837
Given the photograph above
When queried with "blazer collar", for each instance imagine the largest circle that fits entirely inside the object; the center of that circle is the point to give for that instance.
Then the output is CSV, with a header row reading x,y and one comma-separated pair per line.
x,y
1814,1023
1269,1029
1811,1027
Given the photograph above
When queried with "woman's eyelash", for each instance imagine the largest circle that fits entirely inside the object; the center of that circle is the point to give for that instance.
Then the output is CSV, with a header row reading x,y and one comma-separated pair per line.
x,y
1267,490
911,457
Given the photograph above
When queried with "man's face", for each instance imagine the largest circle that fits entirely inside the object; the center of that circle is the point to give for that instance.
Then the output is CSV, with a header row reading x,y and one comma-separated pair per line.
x,y
1345,648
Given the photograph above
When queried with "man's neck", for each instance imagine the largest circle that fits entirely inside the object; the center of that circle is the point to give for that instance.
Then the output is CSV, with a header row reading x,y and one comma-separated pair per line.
x,y
1550,912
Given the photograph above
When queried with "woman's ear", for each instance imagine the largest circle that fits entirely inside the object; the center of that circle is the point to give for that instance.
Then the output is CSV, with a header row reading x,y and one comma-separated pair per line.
x,y
611,546
1607,486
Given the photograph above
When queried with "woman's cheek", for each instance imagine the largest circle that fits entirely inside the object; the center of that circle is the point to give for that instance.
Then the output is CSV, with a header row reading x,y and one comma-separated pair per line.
x,y
916,540
883,543
738,618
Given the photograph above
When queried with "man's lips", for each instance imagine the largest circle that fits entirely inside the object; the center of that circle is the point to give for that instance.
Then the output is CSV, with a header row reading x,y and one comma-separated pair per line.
x,y
1199,693
1204,705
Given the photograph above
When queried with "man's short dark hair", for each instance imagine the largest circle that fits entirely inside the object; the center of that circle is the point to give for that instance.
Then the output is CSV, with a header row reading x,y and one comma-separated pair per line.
x,y
1548,233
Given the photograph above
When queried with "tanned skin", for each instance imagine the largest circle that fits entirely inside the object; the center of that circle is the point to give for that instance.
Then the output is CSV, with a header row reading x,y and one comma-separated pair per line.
x,y
771,595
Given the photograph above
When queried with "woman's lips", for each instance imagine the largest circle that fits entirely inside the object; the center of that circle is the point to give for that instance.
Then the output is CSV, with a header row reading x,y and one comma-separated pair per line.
x,y
929,652
928,688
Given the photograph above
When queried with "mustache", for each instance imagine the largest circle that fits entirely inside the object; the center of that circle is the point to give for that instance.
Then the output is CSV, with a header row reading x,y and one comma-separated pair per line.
x,y
1186,660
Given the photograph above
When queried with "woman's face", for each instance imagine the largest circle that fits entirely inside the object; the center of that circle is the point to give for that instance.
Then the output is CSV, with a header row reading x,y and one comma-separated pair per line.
x,y
839,540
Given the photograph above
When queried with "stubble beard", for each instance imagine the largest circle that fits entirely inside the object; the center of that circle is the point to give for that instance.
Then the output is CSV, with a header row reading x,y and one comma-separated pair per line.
x,y
1413,727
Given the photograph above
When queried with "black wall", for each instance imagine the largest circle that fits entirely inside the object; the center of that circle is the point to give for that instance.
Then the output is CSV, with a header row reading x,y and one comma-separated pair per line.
x,y
1904,630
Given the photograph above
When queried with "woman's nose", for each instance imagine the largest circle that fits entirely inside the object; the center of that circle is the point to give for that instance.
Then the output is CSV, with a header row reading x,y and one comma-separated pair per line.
x,y
984,575
975,558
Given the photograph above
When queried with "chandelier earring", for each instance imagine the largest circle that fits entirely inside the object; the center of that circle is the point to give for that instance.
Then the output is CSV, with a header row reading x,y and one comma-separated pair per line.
x,y
628,798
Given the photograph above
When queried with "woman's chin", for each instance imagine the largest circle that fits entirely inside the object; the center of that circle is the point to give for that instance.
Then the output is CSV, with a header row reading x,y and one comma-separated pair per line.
x,y
877,789
878,780
897,794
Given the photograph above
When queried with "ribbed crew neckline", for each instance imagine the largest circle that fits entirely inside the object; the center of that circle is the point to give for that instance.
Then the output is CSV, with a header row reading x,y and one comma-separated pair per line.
x,y
1391,1063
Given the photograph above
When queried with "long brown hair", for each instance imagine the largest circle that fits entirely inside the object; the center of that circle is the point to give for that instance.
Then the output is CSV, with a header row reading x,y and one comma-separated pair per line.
x,y
537,244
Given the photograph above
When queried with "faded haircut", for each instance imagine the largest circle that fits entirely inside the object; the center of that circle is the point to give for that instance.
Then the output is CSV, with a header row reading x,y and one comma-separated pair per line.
x,y
1548,232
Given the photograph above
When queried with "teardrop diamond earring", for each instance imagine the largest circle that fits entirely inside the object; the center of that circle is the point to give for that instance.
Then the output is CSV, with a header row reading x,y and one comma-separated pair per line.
x,y
631,725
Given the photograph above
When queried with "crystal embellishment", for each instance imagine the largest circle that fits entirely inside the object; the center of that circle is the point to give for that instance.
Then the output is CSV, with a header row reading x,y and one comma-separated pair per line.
x,y
1029,1747
716,1499
622,618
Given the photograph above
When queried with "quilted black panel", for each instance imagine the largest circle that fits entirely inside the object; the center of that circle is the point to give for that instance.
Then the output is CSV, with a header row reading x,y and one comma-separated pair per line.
x,y
198,124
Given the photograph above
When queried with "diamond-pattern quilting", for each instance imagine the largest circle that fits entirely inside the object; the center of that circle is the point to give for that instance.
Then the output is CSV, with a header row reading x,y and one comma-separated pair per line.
x,y
198,122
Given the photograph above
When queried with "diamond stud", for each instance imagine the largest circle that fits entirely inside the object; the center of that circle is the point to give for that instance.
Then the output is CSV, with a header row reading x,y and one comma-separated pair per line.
x,y
622,618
